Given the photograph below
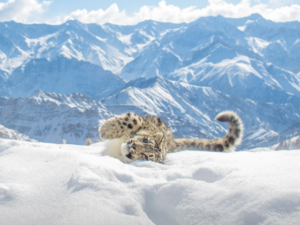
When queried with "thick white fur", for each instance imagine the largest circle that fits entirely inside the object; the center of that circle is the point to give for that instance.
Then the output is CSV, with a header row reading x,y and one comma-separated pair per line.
x,y
113,148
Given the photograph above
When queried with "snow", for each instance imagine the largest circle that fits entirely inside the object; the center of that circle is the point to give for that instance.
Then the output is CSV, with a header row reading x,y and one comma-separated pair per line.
x,y
140,47
296,42
257,45
42,41
100,39
69,51
262,134
116,61
125,39
164,48
242,28
9,64
66,184
12,134
290,144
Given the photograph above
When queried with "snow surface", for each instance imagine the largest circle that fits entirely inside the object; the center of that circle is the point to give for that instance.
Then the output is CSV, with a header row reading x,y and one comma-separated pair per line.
x,y
67,184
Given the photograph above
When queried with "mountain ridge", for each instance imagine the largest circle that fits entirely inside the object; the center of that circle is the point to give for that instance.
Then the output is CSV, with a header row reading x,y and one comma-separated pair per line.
x,y
188,110
185,73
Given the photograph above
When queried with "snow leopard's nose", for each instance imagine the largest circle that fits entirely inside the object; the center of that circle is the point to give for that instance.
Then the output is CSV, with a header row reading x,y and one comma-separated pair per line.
x,y
129,155
133,146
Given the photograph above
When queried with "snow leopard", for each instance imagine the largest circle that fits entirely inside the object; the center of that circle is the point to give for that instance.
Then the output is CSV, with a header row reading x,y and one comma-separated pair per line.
x,y
149,138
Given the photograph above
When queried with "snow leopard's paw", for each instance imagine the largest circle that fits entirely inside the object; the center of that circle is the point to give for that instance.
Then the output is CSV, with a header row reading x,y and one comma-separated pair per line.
x,y
119,126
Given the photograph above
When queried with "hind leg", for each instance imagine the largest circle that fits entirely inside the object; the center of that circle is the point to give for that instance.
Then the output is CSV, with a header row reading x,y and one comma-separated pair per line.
x,y
119,126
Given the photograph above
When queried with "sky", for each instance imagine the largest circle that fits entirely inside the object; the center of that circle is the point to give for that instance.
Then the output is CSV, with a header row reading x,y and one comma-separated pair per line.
x,y
134,11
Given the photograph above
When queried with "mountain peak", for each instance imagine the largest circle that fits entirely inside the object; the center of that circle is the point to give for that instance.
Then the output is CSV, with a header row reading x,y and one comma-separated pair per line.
x,y
36,93
255,16
72,22
75,23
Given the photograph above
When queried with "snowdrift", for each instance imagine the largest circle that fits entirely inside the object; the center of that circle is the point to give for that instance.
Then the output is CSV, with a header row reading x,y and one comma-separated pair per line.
x,y
67,184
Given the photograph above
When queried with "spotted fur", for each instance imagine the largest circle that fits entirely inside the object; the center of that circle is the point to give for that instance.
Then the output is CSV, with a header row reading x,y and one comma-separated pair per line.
x,y
149,138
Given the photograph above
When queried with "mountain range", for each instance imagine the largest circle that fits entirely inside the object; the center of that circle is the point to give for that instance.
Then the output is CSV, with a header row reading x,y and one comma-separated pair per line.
x,y
63,81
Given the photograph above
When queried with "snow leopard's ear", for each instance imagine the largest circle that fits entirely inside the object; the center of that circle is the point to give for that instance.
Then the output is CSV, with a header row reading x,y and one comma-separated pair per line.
x,y
158,137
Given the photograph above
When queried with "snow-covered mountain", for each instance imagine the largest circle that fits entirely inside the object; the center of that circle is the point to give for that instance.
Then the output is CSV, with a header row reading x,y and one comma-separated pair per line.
x,y
291,144
216,39
53,117
6,133
167,99
218,53
244,77
61,75
109,46
189,111
62,81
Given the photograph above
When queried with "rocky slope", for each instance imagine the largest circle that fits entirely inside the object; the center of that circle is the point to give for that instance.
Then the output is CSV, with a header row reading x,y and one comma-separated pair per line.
x,y
189,111
6,133
62,82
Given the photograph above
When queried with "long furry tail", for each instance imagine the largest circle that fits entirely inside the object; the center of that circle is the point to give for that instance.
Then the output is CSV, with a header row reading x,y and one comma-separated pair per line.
x,y
225,144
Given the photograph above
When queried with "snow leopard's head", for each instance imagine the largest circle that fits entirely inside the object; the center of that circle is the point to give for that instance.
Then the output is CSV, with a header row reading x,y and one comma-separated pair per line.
x,y
143,146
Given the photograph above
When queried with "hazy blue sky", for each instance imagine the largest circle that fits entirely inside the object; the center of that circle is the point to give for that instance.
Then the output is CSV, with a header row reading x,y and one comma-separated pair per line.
x,y
134,11
131,6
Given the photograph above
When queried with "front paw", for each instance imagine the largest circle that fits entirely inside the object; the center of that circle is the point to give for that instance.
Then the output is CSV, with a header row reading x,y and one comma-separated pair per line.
x,y
119,126
111,129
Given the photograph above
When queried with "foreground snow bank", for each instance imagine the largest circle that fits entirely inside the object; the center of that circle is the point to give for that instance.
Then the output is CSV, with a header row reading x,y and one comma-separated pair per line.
x,y
67,184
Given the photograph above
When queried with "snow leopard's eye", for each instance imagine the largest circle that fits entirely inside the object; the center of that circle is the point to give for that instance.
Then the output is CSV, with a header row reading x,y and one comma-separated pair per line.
x,y
151,155
145,140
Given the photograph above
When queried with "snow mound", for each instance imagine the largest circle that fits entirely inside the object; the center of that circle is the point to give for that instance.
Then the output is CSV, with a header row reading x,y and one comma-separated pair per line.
x,y
67,184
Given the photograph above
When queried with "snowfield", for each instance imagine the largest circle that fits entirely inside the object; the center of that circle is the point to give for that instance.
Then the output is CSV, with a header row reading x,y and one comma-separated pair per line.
x,y
44,183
